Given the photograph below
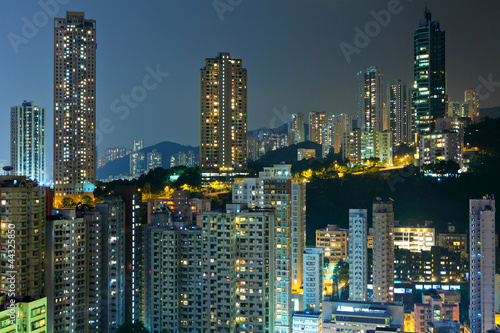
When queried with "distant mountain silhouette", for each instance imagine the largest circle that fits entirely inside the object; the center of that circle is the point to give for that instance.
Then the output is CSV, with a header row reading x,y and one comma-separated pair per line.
x,y
122,165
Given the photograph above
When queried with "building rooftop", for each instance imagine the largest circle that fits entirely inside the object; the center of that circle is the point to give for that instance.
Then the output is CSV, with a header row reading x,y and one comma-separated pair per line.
x,y
365,314
307,313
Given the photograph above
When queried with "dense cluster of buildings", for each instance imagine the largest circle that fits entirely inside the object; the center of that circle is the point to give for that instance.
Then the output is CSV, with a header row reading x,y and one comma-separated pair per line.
x,y
179,266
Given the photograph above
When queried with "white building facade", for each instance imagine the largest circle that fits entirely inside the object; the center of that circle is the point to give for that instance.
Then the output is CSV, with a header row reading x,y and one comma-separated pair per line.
x,y
482,264
358,254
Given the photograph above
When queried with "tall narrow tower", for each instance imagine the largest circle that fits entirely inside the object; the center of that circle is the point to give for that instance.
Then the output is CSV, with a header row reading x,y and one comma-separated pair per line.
x,y
383,251
370,99
472,103
74,104
429,87
400,122
223,127
296,129
358,254
482,264
317,120
27,140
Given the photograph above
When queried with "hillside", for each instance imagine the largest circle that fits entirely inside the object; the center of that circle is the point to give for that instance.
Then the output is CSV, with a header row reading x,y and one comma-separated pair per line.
x,y
490,112
122,165
416,198
287,154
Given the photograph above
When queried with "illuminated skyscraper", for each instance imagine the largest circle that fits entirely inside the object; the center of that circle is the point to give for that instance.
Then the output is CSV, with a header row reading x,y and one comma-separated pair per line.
x,y
154,160
296,129
112,212
276,188
288,196
137,159
328,136
472,103
482,264
358,254
239,249
74,104
23,220
176,297
370,99
223,127
27,141
383,251
343,123
429,87
400,123
134,305
316,122
74,251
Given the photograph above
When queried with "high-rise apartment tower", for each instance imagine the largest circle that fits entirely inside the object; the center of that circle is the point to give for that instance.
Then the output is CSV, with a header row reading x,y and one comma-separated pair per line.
x,y
223,127
74,104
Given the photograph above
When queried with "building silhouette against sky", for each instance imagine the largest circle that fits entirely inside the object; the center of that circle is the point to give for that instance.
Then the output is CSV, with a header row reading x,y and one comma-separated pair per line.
x,y
223,126
429,88
74,104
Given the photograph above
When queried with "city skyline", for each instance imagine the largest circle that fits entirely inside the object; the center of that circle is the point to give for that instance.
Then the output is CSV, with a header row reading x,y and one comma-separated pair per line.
x,y
222,241
269,87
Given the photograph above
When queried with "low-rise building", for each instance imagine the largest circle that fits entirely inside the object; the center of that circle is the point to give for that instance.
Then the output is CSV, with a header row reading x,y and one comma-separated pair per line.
x,y
445,143
309,321
359,146
445,326
433,309
454,241
415,239
334,241
23,315
358,317
437,265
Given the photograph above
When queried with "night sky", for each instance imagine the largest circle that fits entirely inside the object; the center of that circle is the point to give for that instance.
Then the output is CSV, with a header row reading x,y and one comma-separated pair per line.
x,y
289,47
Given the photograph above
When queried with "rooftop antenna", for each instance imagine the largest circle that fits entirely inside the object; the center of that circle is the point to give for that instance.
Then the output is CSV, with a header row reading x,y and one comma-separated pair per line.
x,y
427,14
